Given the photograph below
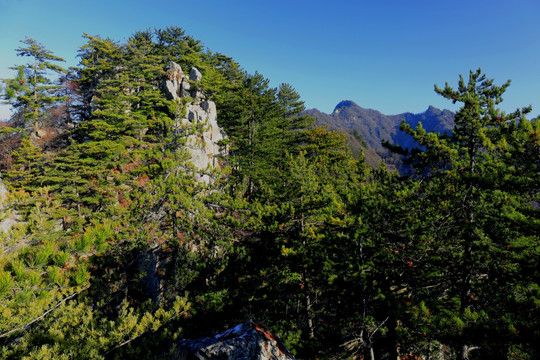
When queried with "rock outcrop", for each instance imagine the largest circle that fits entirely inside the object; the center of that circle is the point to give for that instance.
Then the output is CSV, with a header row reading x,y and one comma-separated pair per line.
x,y
248,340
7,218
200,120
3,190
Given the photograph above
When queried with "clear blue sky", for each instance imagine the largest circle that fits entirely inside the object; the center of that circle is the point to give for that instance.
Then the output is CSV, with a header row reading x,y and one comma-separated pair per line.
x,y
384,55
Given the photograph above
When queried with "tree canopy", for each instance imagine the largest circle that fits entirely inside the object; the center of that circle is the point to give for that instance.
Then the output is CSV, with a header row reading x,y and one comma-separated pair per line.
x,y
118,250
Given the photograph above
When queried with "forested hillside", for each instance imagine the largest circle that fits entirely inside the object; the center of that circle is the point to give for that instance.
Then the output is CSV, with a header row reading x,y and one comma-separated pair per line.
x,y
116,243
367,130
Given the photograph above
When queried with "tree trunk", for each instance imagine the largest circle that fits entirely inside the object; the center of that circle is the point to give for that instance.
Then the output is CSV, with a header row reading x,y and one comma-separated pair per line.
x,y
36,125
307,295
309,314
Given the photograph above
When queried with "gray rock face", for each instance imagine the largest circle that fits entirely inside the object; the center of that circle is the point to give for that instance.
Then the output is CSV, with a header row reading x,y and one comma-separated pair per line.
x,y
247,341
3,190
204,145
171,87
148,263
7,218
174,80
185,88
195,75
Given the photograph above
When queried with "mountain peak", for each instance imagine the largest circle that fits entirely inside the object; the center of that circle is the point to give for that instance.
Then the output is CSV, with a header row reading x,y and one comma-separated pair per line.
x,y
344,104
432,110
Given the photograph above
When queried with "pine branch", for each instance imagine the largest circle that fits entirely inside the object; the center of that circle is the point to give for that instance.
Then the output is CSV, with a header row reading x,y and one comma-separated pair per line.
x,y
42,316
142,334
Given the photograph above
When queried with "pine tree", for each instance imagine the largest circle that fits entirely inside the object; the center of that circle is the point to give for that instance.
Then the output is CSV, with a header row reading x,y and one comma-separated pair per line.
x,y
33,91
99,57
175,45
300,252
395,241
27,167
124,141
484,208
264,125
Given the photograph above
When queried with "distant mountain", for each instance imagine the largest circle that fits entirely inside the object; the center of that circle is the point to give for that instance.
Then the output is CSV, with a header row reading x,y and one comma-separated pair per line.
x,y
367,128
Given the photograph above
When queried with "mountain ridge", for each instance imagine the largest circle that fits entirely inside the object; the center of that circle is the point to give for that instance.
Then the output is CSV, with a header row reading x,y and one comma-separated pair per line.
x,y
373,127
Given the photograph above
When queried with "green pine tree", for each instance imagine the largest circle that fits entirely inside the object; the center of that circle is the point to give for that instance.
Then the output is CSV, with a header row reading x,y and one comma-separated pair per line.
x,y
480,220
33,91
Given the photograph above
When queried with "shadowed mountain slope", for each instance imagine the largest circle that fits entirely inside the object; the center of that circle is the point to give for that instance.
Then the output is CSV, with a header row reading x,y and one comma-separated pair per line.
x,y
367,128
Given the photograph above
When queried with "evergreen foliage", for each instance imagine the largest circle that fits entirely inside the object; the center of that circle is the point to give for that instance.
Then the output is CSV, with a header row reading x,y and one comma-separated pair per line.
x,y
32,91
460,228
118,251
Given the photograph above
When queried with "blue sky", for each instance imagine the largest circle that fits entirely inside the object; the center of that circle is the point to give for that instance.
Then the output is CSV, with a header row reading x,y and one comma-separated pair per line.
x,y
384,55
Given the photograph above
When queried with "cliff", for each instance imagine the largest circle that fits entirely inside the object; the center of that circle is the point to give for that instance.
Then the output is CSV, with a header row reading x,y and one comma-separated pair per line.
x,y
199,122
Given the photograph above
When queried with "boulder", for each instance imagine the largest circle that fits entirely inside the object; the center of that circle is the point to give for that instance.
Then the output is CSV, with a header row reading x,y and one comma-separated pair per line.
x,y
195,74
246,341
